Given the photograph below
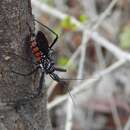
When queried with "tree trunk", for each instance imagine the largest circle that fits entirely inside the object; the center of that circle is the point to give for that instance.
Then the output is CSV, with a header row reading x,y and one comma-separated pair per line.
x,y
18,111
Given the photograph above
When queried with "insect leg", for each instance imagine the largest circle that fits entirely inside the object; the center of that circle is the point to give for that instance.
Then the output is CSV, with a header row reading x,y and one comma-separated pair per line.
x,y
59,80
27,74
39,89
56,38
23,58
34,77
46,27
60,69
55,77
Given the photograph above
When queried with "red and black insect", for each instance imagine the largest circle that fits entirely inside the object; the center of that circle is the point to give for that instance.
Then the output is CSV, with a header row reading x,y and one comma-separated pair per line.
x,y
43,54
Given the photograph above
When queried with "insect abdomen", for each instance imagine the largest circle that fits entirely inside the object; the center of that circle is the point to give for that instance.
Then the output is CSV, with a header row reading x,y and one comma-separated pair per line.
x,y
35,50
42,43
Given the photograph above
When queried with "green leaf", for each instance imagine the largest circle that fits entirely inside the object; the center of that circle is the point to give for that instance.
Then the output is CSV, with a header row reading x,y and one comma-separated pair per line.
x,y
49,2
62,61
83,18
68,24
125,38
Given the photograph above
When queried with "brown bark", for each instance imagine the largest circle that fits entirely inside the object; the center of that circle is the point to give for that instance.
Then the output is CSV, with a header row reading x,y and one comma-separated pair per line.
x,y
17,110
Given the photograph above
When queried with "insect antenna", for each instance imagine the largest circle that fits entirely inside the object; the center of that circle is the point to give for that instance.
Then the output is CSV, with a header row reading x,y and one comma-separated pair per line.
x,y
60,81
68,90
26,74
70,79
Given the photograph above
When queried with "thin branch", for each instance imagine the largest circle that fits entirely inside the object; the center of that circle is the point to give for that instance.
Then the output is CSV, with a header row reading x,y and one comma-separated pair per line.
x,y
127,125
101,41
54,12
69,111
69,114
90,8
104,14
82,60
95,36
85,85
110,46
115,113
83,55
71,60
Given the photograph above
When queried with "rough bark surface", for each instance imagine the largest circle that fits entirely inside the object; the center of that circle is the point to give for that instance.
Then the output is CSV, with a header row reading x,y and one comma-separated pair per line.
x,y
17,110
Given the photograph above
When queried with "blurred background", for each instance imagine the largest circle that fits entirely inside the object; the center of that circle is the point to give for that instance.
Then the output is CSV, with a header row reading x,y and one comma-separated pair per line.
x,y
93,45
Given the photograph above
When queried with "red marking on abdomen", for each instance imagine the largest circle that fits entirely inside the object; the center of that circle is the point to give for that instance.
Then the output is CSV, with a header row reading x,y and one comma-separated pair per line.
x,y
35,50
33,44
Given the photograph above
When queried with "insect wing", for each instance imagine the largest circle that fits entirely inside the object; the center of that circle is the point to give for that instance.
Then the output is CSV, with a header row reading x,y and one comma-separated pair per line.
x,y
42,43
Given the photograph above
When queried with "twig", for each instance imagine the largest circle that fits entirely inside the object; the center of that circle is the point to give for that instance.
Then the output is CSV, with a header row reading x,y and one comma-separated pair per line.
x,y
82,61
84,86
98,23
71,60
110,46
83,55
95,36
115,113
104,14
54,12
69,111
127,125
90,8
101,41
69,114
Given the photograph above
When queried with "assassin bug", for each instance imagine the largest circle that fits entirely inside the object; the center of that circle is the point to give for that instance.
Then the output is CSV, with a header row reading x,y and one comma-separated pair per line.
x,y
42,53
